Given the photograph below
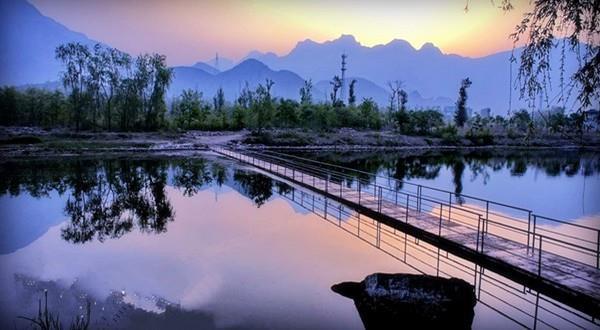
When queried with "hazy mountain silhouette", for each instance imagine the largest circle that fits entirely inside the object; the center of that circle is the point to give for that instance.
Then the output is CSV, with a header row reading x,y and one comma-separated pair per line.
x,y
28,40
206,67
427,69
253,72
224,63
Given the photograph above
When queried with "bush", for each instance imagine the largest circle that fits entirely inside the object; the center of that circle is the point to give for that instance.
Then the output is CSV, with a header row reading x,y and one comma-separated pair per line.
x,y
480,137
424,122
448,134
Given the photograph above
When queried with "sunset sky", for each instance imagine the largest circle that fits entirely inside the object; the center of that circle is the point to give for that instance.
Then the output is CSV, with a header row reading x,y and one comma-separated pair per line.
x,y
191,30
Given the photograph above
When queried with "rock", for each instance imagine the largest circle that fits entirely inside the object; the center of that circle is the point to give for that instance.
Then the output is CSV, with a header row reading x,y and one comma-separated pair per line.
x,y
392,301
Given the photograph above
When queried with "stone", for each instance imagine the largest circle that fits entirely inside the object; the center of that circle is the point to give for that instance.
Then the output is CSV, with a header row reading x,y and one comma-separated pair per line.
x,y
394,301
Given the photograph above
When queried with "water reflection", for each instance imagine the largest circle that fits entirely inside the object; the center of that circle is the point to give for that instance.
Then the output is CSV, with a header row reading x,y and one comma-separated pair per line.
x,y
568,179
109,198
515,301
254,266
425,164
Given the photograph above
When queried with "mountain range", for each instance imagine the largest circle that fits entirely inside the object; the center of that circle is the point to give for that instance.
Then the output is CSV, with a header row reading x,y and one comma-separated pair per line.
x,y
28,40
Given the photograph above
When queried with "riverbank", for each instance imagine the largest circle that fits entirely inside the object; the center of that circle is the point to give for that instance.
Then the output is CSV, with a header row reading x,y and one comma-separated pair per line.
x,y
27,141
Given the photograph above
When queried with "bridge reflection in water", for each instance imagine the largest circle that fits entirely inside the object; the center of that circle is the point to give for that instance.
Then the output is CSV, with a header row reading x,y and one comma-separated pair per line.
x,y
516,302
540,262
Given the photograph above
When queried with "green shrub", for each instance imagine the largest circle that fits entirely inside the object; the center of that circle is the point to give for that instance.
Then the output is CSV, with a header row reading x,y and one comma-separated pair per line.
x,y
448,134
480,137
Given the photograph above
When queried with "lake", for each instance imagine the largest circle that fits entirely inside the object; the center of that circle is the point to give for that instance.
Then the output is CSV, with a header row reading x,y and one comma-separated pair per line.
x,y
155,241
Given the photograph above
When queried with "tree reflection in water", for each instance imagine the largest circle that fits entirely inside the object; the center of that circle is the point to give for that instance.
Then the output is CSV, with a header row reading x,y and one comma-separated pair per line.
x,y
107,201
108,198
415,164
257,187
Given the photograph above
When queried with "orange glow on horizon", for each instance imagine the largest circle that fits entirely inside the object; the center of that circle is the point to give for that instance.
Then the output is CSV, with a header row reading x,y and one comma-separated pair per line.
x,y
188,31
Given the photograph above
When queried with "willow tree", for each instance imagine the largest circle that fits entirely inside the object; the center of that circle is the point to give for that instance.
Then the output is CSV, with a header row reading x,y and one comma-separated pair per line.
x,y
75,57
572,25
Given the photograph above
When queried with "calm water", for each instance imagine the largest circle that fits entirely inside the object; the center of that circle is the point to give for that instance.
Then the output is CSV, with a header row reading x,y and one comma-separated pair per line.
x,y
204,242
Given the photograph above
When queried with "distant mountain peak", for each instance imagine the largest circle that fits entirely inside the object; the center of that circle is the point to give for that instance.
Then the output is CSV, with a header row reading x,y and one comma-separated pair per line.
x,y
345,40
252,65
305,42
206,67
400,43
429,47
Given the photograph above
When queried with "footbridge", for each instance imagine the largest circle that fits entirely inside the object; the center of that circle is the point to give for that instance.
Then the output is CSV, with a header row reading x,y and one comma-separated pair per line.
x,y
561,259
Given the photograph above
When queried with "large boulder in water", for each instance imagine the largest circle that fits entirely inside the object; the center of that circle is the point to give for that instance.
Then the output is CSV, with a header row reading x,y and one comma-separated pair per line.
x,y
393,301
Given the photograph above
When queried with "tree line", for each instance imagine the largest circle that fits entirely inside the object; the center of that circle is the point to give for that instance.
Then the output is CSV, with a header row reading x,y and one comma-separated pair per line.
x,y
103,89
106,89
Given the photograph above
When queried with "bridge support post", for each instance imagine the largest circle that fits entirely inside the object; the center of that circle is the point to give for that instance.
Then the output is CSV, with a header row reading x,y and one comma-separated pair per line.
x,y
478,230
450,206
380,201
528,230
440,226
487,217
533,233
540,257
359,192
598,251
407,202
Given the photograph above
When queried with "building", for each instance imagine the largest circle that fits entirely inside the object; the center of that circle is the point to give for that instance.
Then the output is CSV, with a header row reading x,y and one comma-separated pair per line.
x,y
485,113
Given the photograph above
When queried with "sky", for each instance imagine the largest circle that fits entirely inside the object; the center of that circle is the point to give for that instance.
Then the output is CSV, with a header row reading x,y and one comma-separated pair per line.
x,y
191,30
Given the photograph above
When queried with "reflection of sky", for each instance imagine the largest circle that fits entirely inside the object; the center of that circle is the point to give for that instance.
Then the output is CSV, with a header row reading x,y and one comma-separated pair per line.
x,y
268,266
25,218
265,267
559,197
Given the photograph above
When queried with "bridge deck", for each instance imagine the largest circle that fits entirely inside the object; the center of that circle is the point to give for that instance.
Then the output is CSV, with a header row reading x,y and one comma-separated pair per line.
x,y
450,223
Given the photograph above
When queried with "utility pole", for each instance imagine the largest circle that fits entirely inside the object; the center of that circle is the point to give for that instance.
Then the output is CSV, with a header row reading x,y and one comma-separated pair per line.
x,y
343,87
217,61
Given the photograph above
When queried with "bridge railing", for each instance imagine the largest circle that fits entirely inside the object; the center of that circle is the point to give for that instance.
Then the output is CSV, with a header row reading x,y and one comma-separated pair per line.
x,y
482,226
492,289
521,224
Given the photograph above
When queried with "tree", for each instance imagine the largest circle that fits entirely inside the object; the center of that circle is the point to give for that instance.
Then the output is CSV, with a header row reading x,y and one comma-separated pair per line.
x,y
336,84
351,94
219,107
520,120
401,117
163,76
393,94
187,109
424,122
571,22
460,116
263,107
75,57
287,113
116,63
370,114
402,99
306,92
9,110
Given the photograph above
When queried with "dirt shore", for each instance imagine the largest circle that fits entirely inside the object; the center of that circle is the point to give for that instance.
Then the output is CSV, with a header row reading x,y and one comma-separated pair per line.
x,y
36,142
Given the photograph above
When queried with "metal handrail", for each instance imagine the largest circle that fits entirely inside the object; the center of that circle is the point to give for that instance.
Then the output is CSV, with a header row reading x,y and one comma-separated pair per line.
x,y
345,177
466,270
400,181
433,188
378,197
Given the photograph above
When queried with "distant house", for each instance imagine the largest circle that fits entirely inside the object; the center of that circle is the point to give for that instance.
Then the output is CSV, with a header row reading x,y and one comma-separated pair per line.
x,y
450,110
592,118
485,113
